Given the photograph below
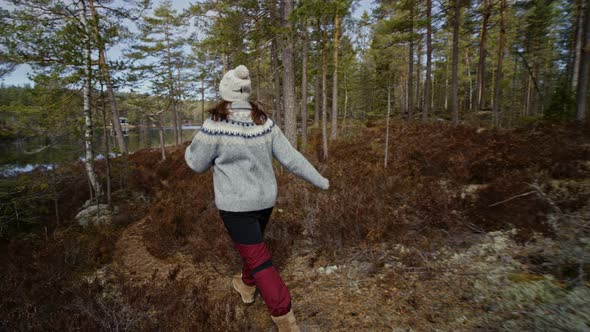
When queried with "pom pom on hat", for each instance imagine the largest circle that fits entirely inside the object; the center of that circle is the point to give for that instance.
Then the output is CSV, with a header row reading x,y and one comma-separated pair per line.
x,y
236,85
242,72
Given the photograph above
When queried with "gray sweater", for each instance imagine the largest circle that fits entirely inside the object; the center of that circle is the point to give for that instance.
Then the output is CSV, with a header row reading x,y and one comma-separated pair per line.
x,y
241,154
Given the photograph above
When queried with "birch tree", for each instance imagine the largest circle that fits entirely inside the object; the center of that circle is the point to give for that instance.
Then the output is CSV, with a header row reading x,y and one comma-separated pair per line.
x,y
56,38
86,92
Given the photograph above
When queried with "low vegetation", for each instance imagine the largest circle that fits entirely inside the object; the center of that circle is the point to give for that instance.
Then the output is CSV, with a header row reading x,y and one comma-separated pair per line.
x,y
465,229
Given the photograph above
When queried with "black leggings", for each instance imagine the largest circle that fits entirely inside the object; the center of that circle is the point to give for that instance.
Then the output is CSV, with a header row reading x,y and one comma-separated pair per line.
x,y
246,227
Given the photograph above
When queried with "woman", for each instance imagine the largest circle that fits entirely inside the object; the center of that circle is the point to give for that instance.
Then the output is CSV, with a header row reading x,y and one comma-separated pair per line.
x,y
240,141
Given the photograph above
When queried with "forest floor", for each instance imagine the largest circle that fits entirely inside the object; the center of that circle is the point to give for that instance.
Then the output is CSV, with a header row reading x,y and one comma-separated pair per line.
x,y
466,229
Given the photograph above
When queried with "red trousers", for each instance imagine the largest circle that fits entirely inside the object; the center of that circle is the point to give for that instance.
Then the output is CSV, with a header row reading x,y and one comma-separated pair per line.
x,y
246,230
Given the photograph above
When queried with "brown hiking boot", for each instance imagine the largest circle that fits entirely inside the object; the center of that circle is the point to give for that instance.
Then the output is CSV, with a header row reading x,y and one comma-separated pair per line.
x,y
286,323
247,292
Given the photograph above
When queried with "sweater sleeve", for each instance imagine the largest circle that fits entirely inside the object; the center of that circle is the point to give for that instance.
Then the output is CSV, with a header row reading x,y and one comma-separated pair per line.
x,y
294,161
199,155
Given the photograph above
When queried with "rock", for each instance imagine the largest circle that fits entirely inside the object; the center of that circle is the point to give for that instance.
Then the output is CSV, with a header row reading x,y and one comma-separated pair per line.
x,y
328,269
95,214
364,268
99,276
470,191
367,267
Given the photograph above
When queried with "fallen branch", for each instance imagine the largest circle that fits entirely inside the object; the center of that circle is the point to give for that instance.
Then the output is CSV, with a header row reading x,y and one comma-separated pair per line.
x,y
545,197
513,197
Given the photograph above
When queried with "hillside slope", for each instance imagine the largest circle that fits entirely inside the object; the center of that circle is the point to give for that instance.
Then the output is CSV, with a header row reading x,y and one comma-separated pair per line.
x,y
464,230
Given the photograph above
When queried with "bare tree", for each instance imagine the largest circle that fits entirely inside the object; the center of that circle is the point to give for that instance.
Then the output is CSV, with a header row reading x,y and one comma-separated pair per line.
x,y
411,64
427,80
334,128
289,74
481,65
304,52
274,55
582,95
317,88
324,90
387,124
455,78
579,40
496,100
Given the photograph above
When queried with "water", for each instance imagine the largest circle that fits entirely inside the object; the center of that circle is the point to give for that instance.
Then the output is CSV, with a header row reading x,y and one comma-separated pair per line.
x,y
23,155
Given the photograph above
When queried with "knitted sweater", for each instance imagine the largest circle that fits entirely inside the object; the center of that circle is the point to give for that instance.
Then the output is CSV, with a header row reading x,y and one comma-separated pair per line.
x,y
241,154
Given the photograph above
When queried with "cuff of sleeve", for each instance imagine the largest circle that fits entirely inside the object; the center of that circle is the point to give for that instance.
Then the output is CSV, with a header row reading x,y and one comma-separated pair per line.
x,y
324,184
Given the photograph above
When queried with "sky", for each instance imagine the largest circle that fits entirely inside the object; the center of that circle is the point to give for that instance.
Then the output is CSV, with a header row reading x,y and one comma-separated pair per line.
x,y
20,75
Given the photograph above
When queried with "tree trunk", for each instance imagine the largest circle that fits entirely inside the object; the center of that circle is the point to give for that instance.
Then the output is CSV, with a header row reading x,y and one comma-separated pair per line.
x,y
177,131
162,143
418,76
582,94
105,71
493,83
334,129
345,104
432,92
455,79
481,66
471,94
513,92
304,52
324,91
171,87
427,82
88,126
530,96
317,100
581,5
258,75
178,104
447,84
317,89
496,101
56,202
387,124
202,99
289,74
411,65
106,153
274,55
403,97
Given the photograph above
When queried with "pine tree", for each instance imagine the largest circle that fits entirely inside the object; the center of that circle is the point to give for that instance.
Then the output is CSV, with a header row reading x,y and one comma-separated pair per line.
x,y
159,52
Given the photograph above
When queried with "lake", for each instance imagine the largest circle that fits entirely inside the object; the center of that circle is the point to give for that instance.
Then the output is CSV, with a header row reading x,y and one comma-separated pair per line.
x,y
19,155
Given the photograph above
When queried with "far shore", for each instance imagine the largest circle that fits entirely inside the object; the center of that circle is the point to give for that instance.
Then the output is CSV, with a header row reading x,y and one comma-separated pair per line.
x,y
156,127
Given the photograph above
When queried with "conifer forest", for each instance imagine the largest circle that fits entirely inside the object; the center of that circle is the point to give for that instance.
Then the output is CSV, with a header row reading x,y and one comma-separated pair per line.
x,y
454,134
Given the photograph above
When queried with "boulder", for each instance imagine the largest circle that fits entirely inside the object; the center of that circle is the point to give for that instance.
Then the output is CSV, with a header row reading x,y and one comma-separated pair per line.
x,y
95,214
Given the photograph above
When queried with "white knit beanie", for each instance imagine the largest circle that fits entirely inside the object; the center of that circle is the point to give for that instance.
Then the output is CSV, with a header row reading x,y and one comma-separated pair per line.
x,y
235,85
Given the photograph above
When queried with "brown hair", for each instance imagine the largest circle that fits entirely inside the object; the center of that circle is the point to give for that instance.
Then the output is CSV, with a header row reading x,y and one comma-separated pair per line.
x,y
220,111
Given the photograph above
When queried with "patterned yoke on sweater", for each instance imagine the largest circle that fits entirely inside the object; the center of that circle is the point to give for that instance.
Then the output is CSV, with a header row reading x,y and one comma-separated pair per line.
x,y
241,154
